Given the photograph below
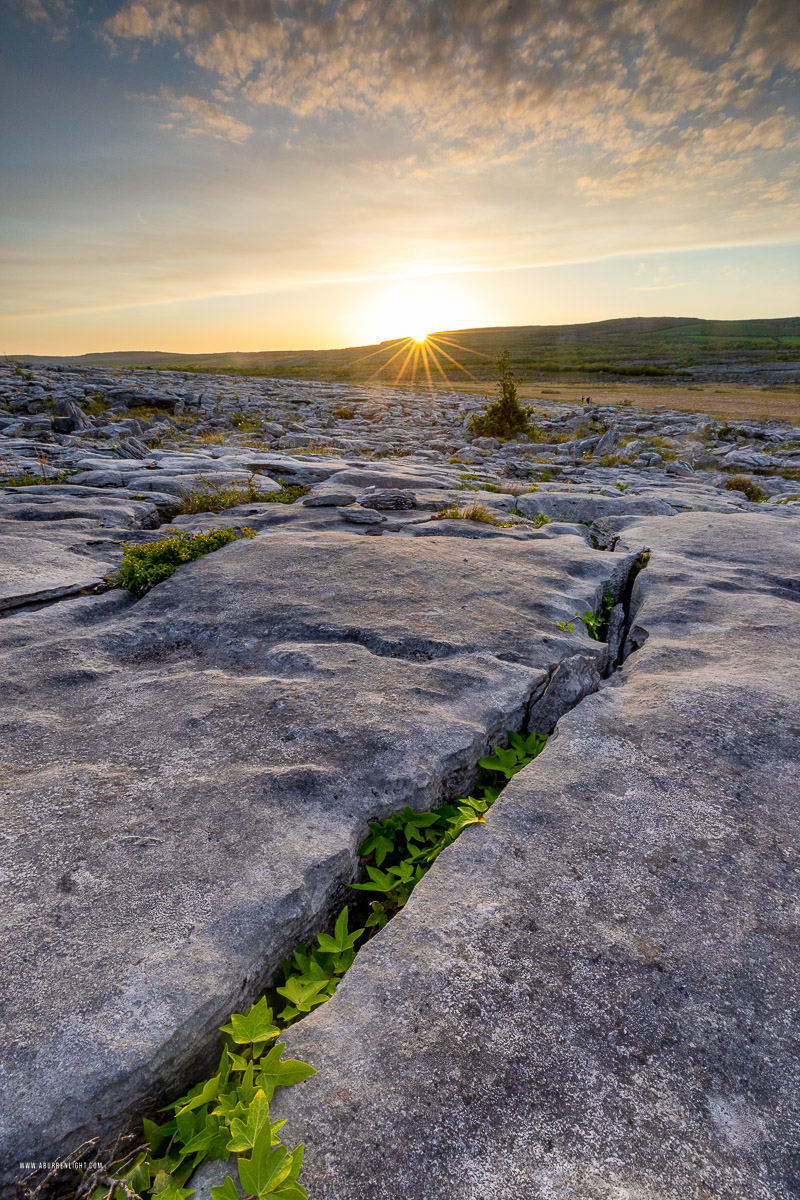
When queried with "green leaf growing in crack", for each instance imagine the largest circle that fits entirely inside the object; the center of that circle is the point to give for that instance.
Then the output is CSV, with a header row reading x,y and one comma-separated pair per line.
x,y
342,940
254,1026
229,1113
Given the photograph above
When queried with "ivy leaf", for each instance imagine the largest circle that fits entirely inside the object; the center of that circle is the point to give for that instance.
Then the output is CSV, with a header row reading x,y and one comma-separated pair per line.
x,y
378,917
341,940
203,1139
229,1106
266,1168
173,1192
140,1177
246,1088
156,1135
304,994
253,1026
245,1134
378,844
505,761
275,1073
208,1092
226,1191
165,1187
381,882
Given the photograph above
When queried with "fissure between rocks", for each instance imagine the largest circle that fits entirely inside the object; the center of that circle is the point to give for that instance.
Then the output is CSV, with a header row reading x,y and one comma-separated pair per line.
x,y
230,1111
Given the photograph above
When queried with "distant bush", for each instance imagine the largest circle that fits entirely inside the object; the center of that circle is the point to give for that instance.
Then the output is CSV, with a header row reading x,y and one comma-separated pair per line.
x,y
740,483
146,564
505,416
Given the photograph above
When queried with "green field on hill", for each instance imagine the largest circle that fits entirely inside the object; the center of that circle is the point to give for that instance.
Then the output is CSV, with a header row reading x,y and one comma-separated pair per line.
x,y
668,348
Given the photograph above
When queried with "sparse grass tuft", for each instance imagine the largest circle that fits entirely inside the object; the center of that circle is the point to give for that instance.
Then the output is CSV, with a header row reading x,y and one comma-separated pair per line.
x,y
208,439
740,483
511,488
216,497
470,512
14,473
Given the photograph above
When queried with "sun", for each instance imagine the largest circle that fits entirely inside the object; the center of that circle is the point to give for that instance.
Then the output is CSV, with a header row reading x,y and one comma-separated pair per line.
x,y
413,307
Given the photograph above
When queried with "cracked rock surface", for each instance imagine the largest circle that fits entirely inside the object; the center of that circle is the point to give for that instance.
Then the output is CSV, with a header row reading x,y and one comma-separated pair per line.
x,y
187,779
594,994
589,996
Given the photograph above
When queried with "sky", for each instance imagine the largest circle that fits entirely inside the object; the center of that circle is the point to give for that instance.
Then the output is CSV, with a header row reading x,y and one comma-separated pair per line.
x,y
201,175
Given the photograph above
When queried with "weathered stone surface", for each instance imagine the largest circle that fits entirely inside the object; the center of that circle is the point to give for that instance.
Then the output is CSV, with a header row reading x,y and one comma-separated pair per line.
x,y
187,778
329,498
357,515
585,506
594,994
385,499
190,776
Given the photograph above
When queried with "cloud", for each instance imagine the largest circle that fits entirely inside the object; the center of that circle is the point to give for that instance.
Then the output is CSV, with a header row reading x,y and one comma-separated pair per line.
x,y
585,69
194,115
54,15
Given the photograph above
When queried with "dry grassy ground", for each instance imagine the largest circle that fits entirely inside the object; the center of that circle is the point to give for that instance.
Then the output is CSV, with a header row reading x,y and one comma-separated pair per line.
x,y
717,399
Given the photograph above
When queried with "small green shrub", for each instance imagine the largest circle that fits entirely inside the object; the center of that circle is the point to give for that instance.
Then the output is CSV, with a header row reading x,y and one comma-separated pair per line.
x,y
505,416
740,483
144,564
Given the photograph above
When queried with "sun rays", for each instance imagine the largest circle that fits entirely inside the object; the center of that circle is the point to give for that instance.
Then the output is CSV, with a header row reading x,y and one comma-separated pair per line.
x,y
419,358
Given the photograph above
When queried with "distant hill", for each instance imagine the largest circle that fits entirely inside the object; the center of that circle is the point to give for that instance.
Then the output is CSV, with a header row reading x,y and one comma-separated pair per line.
x,y
631,347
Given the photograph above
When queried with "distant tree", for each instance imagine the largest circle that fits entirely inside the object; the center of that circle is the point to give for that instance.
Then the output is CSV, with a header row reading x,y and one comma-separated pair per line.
x,y
505,416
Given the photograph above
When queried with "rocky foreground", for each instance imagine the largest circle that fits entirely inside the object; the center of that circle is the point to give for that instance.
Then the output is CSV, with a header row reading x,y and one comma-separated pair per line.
x,y
592,995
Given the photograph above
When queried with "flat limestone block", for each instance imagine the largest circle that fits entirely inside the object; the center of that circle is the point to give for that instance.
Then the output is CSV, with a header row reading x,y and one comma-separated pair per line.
x,y
594,994
588,506
57,542
187,779
54,563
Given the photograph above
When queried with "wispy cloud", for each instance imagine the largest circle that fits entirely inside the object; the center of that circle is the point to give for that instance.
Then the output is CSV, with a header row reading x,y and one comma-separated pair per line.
x,y
193,115
614,76
53,15
460,134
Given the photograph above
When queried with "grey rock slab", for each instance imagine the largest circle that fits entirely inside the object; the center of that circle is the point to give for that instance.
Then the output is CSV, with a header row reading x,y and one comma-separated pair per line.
x,y
329,498
52,562
47,504
392,476
586,506
385,499
361,516
594,993
186,780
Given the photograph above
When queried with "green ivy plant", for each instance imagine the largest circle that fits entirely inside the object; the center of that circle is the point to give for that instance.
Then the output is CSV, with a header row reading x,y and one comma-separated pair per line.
x,y
228,1114
596,622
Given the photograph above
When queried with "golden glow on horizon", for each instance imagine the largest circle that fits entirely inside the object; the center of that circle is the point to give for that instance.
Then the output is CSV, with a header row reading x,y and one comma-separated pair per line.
x,y
418,305
422,359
